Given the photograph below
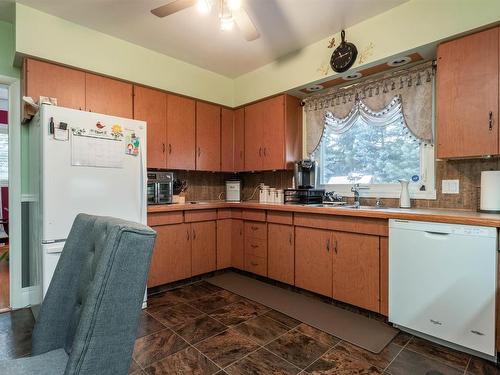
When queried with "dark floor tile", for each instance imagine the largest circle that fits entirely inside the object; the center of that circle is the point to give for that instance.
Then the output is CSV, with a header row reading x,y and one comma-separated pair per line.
x,y
215,301
402,338
16,328
148,325
238,312
154,347
168,299
174,317
380,360
409,362
318,335
193,331
210,287
187,361
335,362
297,348
283,319
262,362
261,329
227,347
192,291
440,353
478,366
134,368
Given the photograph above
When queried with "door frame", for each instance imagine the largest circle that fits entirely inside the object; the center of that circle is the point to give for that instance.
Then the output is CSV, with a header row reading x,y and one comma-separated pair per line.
x,y
18,295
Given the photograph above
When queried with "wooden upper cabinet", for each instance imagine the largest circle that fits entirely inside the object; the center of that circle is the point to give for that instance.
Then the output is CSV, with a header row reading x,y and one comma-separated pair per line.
x,y
272,133
313,260
227,140
181,132
203,247
108,96
151,106
356,269
280,253
171,259
207,137
467,96
65,84
239,140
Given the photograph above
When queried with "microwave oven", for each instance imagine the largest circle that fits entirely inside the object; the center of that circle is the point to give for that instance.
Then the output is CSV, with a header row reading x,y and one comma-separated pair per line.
x,y
160,187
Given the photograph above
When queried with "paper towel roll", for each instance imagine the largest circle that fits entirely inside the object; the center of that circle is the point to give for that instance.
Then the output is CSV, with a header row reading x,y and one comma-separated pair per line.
x,y
490,191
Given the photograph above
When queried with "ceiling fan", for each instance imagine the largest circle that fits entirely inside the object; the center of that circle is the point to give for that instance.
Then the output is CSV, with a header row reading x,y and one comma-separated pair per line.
x,y
230,12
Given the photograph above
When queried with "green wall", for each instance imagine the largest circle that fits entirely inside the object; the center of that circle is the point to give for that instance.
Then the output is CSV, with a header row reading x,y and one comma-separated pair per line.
x,y
81,47
400,30
7,50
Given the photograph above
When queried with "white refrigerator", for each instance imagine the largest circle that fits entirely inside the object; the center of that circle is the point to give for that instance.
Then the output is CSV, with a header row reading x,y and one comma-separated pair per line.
x,y
80,162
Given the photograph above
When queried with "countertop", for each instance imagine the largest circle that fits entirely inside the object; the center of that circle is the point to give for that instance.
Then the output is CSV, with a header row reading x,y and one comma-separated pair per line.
x,y
452,216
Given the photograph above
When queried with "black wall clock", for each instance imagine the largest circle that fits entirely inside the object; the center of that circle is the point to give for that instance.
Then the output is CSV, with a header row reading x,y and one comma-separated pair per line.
x,y
344,55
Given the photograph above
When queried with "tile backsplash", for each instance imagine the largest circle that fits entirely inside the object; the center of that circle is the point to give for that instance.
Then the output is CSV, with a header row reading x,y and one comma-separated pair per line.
x,y
208,185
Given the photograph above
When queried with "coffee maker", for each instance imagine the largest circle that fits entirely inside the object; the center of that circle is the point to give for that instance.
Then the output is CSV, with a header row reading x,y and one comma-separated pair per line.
x,y
305,174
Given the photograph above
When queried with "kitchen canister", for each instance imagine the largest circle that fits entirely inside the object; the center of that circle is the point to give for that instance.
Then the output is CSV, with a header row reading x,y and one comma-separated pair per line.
x,y
263,194
272,195
490,191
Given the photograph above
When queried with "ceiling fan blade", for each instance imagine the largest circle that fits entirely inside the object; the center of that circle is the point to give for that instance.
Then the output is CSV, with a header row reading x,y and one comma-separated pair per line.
x,y
172,7
246,25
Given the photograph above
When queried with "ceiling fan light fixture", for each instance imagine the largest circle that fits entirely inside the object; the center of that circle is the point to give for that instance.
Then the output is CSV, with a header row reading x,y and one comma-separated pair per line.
x,y
204,6
226,23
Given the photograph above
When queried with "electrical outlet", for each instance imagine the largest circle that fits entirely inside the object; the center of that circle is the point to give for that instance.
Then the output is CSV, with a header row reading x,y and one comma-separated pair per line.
x,y
450,186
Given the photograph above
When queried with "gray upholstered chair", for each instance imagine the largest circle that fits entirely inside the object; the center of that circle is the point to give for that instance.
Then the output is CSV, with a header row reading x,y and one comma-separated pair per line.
x,y
88,320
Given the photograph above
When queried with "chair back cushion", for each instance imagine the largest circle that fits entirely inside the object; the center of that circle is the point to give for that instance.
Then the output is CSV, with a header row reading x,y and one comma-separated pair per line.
x,y
93,303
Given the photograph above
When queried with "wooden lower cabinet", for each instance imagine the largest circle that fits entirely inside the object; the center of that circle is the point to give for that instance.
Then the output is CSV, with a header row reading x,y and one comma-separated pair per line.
x,y
237,253
313,260
171,256
224,241
203,247
356,269
255,247
280,253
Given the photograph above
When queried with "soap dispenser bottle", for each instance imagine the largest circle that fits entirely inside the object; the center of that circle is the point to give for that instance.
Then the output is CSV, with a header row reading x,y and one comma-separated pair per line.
x,y
404,198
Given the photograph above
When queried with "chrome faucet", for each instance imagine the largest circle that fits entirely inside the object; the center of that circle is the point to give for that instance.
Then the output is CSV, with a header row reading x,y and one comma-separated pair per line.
x,y
355,190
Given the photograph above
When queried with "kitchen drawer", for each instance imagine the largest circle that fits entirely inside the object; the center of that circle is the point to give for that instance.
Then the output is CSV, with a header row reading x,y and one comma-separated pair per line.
x,y
255,264
165,218
254,246
280,217
255,215
200,215
255,230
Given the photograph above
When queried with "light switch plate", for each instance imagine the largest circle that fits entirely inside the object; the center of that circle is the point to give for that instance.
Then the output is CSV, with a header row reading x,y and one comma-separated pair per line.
x,y
450,186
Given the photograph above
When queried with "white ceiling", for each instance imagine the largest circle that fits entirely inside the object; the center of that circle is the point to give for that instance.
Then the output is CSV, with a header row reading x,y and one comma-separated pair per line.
x,y
285,27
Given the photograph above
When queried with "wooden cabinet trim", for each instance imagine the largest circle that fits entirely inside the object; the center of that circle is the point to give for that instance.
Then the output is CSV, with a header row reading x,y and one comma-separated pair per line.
x,y
165,218
254,215
280,217
378,227
200,215
224,213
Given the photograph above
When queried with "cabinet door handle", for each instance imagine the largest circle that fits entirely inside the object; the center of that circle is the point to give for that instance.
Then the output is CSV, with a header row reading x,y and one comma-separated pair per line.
x,y
187,233
328,245
265,151
163,147
335,247
169,148
254,246
241,232
290,239
194,234
490,121
254,263
254,228
199,151
260,151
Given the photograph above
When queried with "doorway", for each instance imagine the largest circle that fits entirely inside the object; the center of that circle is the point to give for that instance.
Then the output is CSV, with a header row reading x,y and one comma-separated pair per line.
x,y
4,200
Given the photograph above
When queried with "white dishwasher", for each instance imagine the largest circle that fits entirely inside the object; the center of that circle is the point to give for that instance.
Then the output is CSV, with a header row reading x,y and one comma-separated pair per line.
x,y
442,282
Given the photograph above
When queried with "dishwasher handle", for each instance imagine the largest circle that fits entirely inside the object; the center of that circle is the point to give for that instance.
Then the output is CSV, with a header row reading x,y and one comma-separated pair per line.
x,y
437,233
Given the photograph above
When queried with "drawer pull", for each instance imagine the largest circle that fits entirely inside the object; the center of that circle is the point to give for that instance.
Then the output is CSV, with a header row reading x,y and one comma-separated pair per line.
x,y
436,322
328,245
254,263
187,232
477,333
290,239
254,228
169,148
194,234
254,246
335,247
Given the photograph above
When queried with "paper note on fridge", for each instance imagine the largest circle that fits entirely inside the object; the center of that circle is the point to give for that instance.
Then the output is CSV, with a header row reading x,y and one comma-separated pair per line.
x,y
90,151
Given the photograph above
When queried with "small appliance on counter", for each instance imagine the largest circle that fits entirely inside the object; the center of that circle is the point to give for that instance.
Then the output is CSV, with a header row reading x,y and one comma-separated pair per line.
x,y
233,191
490,192
305,174
304,196
160,187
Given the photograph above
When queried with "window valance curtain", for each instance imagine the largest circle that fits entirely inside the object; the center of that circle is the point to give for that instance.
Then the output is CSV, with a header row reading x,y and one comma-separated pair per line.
x,y
404,97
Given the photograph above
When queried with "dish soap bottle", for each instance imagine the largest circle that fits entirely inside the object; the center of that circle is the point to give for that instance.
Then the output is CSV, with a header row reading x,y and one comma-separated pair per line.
x,y
404,198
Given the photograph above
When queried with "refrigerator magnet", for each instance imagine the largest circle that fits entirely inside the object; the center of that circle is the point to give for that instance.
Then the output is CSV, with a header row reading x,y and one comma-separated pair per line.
x,y
132,143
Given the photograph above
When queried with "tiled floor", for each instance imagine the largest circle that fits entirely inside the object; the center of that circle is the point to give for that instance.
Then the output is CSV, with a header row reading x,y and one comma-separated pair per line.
x,y
202,329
